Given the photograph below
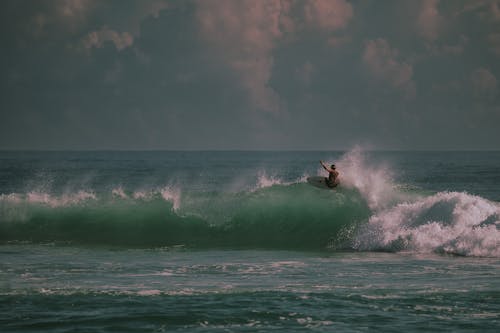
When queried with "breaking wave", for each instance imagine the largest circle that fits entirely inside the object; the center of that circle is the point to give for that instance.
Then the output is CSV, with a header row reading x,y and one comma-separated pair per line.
x,y
369,212
445,222
279,216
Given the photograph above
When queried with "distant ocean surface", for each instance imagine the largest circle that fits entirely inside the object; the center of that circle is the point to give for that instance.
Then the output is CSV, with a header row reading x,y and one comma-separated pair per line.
x,y
240,242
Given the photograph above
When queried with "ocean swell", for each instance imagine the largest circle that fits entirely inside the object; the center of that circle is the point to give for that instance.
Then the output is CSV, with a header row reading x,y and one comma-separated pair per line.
x,y
294,216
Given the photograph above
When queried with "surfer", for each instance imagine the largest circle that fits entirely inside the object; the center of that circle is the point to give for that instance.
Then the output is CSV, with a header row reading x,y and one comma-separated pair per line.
x,y
333,175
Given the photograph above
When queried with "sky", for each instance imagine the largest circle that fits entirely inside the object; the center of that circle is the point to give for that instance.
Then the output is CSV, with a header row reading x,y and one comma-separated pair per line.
x,y
250,74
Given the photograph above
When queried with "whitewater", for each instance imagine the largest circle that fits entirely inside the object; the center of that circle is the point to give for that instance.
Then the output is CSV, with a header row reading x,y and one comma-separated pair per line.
x,y
239,241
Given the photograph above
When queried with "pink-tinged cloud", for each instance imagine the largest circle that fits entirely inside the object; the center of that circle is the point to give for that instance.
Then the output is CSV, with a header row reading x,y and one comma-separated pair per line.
x,y
382,62
429,21
495,10
487,10
73,14
244,34
97,39
69,15
73,8
484,83
156,6
329,15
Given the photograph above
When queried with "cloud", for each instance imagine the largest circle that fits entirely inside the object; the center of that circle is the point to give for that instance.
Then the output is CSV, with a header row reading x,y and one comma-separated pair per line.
x,y
174,72
486,10
329,15
99,37
244,33
49,17
155,6
492,12
73,8
429,20
484,83
382,62
495,10
79,16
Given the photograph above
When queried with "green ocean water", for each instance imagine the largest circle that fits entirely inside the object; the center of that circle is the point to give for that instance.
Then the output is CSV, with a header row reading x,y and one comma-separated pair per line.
x,y
238,241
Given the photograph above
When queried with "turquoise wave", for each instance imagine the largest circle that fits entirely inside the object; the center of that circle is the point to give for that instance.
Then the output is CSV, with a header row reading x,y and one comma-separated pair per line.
x,y
295,216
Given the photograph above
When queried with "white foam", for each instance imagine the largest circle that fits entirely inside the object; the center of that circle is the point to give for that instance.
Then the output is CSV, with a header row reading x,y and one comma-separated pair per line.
x,y
61,201
172,195
119,192
449,222
149,292
167,193
14,198
143,195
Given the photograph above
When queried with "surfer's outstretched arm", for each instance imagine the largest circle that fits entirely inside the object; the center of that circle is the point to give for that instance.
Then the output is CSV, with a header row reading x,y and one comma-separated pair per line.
x,y
325,167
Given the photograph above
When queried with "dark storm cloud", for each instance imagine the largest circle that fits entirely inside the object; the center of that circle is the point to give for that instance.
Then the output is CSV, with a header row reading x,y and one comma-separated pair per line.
x,y
318,74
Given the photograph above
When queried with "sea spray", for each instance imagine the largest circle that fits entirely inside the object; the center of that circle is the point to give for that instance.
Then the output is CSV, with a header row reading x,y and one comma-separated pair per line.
x,y
265,180
374,181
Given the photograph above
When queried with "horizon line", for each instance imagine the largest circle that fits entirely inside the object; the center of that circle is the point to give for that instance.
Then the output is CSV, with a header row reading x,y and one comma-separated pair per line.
x,y
242,150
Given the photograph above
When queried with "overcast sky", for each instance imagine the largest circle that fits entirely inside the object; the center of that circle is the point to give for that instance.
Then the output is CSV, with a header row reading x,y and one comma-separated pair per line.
x,y
249,74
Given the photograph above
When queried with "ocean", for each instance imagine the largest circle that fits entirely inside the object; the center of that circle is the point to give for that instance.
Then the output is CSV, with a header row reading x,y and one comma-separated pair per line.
x,y
238,241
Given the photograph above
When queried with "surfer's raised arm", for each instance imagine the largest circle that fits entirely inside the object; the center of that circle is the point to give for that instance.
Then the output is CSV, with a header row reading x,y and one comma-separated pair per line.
x,y
325,167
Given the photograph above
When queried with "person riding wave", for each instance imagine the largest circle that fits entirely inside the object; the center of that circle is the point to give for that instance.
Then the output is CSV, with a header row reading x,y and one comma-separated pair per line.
x,y
333,175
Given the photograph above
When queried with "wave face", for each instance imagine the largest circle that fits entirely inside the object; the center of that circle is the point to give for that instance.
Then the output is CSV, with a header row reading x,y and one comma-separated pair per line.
x,y
280,216
371,211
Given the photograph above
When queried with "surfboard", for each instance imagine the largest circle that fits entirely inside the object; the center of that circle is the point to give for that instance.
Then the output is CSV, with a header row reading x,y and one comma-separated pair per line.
x,y
320,182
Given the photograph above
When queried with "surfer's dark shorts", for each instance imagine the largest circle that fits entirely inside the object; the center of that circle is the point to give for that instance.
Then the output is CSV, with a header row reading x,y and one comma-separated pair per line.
x,y
329,183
